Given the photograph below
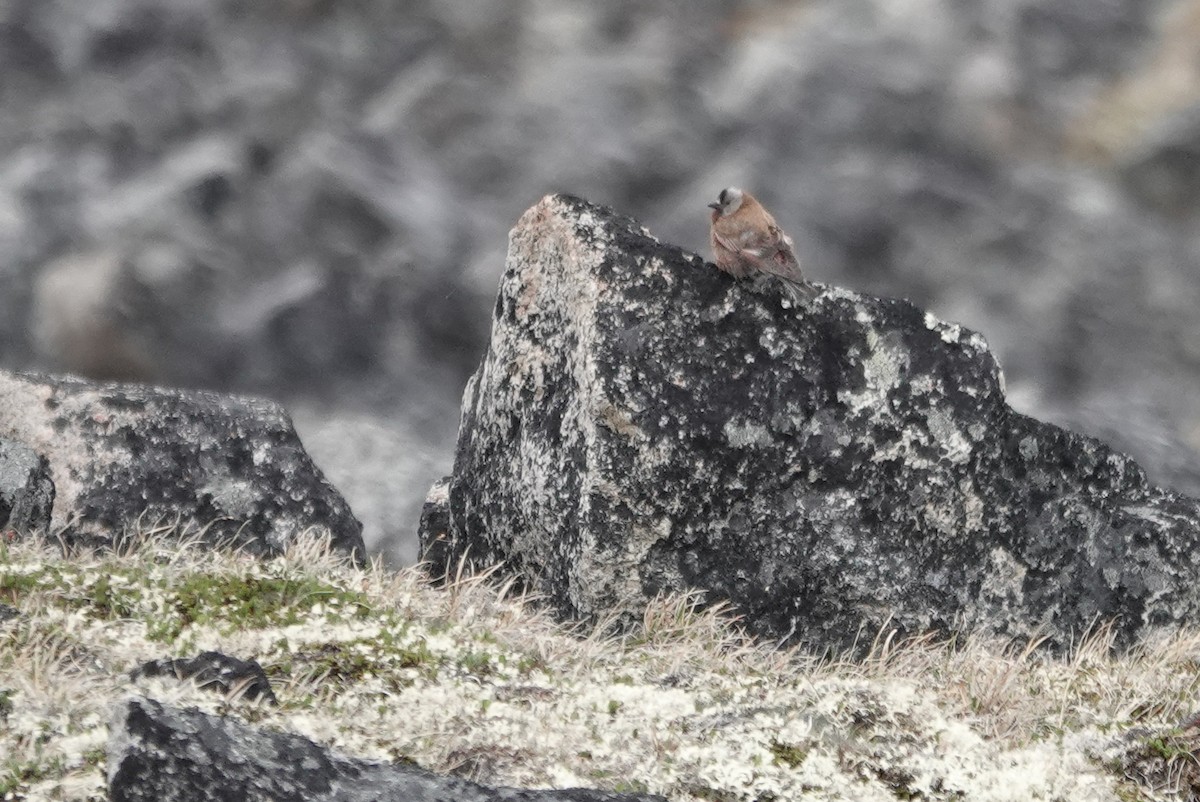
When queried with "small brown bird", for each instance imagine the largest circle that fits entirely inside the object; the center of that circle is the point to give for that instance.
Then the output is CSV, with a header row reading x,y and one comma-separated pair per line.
x,y
747,241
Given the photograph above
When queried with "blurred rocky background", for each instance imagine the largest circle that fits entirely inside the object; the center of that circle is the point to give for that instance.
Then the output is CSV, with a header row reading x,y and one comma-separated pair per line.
x,y
309,199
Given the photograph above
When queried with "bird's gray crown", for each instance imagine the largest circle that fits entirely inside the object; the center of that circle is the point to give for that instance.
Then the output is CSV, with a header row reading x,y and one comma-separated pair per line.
x,y
730,199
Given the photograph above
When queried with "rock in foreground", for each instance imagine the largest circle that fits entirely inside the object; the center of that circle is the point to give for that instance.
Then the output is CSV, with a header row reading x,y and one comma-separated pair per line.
x,y
168,755
123,456
641,423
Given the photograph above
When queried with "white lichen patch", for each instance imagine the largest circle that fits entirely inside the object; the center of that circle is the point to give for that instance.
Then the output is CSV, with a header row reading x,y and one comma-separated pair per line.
x,y
379,664
949,332
952,443
745,433
884,366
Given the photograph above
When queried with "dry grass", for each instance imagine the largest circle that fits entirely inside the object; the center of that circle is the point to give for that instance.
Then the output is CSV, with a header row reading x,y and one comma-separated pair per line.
x,y
472,678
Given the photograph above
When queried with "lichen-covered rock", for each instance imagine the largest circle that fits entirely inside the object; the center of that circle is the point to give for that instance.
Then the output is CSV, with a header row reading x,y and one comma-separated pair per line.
x,y
124,455
642,423
170,755
26,489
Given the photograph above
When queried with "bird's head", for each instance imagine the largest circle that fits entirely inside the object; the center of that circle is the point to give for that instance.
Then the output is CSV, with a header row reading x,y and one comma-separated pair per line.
x,y
728,202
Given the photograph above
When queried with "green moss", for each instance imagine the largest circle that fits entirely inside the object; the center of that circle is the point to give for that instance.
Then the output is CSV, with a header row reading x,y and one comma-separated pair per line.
x,y
17,775
342,662
109,603
718,795
400,651
790,755
899,782
1169,746
478,664
234,603
354,660
16,586
97,756
631,787
1162,759
96,593
527,664
1127,791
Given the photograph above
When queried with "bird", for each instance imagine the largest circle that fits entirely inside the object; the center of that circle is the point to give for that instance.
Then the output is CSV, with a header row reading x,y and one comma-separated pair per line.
x,y
746,241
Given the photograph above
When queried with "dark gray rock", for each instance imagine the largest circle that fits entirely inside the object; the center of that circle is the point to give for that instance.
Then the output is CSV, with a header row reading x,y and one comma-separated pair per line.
x,y
163,754
641,423
214,671
7,612
229,468
434,526
26,489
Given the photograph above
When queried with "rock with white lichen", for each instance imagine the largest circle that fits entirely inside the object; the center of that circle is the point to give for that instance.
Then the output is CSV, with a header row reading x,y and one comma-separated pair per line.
x,y
641,423
169,755
124,456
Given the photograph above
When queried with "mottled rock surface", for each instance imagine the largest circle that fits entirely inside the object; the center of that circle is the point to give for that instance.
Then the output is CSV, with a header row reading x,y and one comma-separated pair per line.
x,y
122,454
170,755
26,489
641,423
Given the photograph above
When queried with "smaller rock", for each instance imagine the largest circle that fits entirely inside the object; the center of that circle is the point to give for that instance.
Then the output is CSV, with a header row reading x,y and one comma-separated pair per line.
x,y
124,457
7,613
435,524
166,754
214,671
26,489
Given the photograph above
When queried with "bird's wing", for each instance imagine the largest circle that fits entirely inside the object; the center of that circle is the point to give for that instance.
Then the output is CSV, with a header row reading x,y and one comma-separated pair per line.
x,y
771,248
751,244
778,257
730,244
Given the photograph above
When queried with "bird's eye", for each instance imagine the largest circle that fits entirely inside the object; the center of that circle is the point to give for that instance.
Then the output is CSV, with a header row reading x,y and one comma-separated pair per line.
x,y
722,199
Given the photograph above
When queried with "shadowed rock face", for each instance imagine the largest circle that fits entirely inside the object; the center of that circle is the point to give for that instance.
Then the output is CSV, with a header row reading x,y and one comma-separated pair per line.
x,y
170,755
119,454
641,423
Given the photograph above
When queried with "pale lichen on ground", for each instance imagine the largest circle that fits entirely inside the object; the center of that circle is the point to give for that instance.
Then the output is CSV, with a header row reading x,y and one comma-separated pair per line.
x,y
464,678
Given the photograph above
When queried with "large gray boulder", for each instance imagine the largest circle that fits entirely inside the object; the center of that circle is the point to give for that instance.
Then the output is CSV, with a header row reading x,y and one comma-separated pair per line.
x,y
124,456
163,754
642,423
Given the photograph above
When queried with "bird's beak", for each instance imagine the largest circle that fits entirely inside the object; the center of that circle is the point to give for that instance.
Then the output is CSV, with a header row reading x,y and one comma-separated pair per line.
x,y
716,207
